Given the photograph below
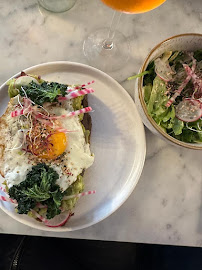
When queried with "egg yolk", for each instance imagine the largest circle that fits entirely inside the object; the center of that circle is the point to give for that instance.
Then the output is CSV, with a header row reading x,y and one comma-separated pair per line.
x,y
51,147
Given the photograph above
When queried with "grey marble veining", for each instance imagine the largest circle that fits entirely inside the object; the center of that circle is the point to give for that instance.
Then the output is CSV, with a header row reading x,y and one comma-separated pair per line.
x,y
166,205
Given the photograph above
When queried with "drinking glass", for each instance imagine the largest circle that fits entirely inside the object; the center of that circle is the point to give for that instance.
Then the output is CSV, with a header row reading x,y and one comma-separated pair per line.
x,y
107,48
57,5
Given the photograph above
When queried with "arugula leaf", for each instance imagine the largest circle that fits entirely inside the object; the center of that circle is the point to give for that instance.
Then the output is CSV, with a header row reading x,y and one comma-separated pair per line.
x,y
198,55
39,186
162,115
45,92
149,78
157,97
177,126
193,131
187,136
147,92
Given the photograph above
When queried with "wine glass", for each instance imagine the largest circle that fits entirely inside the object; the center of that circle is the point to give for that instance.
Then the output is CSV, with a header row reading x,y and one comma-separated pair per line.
x,y
107,48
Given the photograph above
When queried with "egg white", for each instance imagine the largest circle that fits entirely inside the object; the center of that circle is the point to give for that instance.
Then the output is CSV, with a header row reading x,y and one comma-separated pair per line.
x,y
75,159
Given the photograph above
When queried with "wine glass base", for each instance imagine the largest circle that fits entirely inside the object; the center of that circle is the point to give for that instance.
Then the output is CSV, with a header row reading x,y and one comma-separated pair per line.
x,y
110,59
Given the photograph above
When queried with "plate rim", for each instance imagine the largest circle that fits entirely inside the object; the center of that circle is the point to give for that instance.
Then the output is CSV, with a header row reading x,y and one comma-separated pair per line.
x,y
141,165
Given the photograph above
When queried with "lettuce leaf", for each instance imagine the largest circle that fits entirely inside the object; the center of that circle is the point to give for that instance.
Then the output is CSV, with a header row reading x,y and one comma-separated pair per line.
x,y
162,115
155,100
177,126
192,132
147,92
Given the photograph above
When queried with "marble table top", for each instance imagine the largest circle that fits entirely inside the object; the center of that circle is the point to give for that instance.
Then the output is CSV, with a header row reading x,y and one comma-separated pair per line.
x,y
165,207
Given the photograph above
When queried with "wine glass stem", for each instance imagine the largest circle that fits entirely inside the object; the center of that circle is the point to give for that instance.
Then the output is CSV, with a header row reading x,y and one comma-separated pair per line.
x,y
108,42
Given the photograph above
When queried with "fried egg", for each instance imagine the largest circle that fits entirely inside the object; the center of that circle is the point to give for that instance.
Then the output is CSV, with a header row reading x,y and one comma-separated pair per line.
x,y
66,152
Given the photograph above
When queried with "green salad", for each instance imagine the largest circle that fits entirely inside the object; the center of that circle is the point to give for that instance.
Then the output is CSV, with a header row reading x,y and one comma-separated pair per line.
x,y
172,88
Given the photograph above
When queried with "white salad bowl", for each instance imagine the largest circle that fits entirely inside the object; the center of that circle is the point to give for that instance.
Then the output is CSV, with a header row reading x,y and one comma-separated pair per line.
x,y
182,42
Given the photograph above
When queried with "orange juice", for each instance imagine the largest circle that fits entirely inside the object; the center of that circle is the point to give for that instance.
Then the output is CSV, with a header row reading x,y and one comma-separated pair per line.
x,y
133,6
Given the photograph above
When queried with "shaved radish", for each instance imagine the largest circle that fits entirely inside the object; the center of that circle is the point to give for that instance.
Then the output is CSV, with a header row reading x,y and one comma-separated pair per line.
x,y
73,88
178,91
189,110
74,113
3,189
27,102
5,199
58,220
24,80
41,206
65,130
88,83
163,70
79,195
27,108
70,89
39,216
17,113
76,93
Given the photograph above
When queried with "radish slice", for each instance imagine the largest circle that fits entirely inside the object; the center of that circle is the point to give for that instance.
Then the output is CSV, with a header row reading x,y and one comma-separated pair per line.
x,y
76,93
178,92
24,80
58,220
189,110
88,83
3,189
74,113
17,113
41,206
5,199
163,70
90,192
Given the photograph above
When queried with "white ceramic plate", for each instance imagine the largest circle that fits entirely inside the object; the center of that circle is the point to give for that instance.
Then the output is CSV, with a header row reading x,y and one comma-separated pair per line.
x,y
117,140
